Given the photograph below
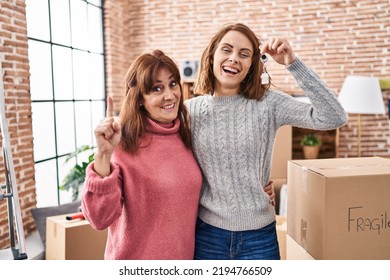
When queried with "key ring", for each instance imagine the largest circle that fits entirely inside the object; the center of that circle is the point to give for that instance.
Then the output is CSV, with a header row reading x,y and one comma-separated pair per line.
x,y
264,75
264,58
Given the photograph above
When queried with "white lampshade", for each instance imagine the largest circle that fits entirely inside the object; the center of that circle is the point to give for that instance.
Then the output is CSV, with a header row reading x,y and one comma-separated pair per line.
x,y
362,95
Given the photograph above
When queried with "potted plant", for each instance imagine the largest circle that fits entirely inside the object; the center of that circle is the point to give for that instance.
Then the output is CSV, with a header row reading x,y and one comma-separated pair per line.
x,y
74,180
311,146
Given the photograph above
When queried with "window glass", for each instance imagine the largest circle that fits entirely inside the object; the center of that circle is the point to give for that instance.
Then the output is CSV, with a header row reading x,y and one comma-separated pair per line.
x,y
95,2
66,57
63,169
40,71
81,74
84,156
62,73
95,27
37,13
60,22
98,113
46,183
65,196
79,24
84,129
96,76
43,130
65,128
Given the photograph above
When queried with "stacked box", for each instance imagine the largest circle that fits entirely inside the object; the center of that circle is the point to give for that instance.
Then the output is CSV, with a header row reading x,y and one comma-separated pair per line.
x,y
281,231
340,208
73,240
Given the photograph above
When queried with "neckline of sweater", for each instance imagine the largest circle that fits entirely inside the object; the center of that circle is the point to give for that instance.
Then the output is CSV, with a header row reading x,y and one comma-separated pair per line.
x,y
155,127
226,100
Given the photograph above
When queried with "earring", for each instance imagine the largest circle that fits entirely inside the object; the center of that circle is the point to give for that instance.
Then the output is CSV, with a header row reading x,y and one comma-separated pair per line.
x,y
264,75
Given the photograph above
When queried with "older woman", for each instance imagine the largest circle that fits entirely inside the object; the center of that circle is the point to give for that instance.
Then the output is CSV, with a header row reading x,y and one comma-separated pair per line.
x,y
144,183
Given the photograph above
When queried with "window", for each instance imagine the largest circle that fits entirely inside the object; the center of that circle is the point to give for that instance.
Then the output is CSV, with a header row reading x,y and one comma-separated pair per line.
x,y
67,86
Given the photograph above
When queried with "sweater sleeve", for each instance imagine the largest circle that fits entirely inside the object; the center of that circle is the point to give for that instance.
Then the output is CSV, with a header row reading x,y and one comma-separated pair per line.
x,y
102,197
325,111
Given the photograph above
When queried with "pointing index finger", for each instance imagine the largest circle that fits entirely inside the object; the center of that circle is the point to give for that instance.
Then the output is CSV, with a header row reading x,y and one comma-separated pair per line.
x,y
110,107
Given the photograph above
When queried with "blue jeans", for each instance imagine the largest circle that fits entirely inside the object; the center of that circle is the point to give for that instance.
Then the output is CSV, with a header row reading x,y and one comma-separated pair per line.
x,y
214,243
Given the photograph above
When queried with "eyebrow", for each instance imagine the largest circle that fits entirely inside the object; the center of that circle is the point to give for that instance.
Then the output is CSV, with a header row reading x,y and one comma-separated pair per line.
x,y
159,81
243,49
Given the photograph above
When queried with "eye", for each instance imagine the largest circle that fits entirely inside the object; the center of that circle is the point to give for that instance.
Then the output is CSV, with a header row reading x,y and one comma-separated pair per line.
x,y
225,50
157,89
173,84
244,55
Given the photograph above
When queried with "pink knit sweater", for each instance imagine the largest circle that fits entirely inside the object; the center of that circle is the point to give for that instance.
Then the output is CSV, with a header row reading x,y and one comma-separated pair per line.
x,y
150,201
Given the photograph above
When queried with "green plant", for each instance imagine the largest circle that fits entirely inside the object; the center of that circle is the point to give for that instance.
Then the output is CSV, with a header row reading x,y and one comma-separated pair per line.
x,y
76,176
310,140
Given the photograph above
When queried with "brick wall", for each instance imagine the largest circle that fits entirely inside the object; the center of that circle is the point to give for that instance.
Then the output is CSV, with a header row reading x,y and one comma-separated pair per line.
x,y
117,47
14,59
375,134
335,38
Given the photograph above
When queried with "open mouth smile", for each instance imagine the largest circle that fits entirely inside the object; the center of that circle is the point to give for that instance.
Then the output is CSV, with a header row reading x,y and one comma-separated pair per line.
x,y
169,107
230,70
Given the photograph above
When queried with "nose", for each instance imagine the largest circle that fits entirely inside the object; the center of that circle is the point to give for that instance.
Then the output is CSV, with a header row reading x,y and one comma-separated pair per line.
x,y
169,94
233,58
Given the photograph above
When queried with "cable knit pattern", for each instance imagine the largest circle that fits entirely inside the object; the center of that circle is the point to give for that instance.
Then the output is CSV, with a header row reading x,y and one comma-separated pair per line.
x,y
233,139
149,202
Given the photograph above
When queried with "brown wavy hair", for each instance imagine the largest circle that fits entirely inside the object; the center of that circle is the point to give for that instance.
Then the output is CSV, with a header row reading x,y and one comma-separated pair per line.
x,y
251,86
140,77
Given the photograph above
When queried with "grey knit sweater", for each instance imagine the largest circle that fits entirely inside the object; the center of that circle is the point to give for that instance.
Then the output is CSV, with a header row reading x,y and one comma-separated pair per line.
x,y
233,140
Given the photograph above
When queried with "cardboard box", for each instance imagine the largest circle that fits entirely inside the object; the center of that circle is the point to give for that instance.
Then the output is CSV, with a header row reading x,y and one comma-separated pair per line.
x,y
73,240
282,152
294,251
340,208
281,231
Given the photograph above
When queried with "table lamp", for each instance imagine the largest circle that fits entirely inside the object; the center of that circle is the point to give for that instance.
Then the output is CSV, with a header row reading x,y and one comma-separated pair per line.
x,y
361,95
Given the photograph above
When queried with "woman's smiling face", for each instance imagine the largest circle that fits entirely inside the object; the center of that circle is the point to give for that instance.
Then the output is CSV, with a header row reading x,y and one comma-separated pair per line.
x,y
231,62
162,103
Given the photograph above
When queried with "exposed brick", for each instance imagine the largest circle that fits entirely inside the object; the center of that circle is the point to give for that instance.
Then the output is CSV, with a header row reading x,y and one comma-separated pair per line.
x,y
14,59
335,38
